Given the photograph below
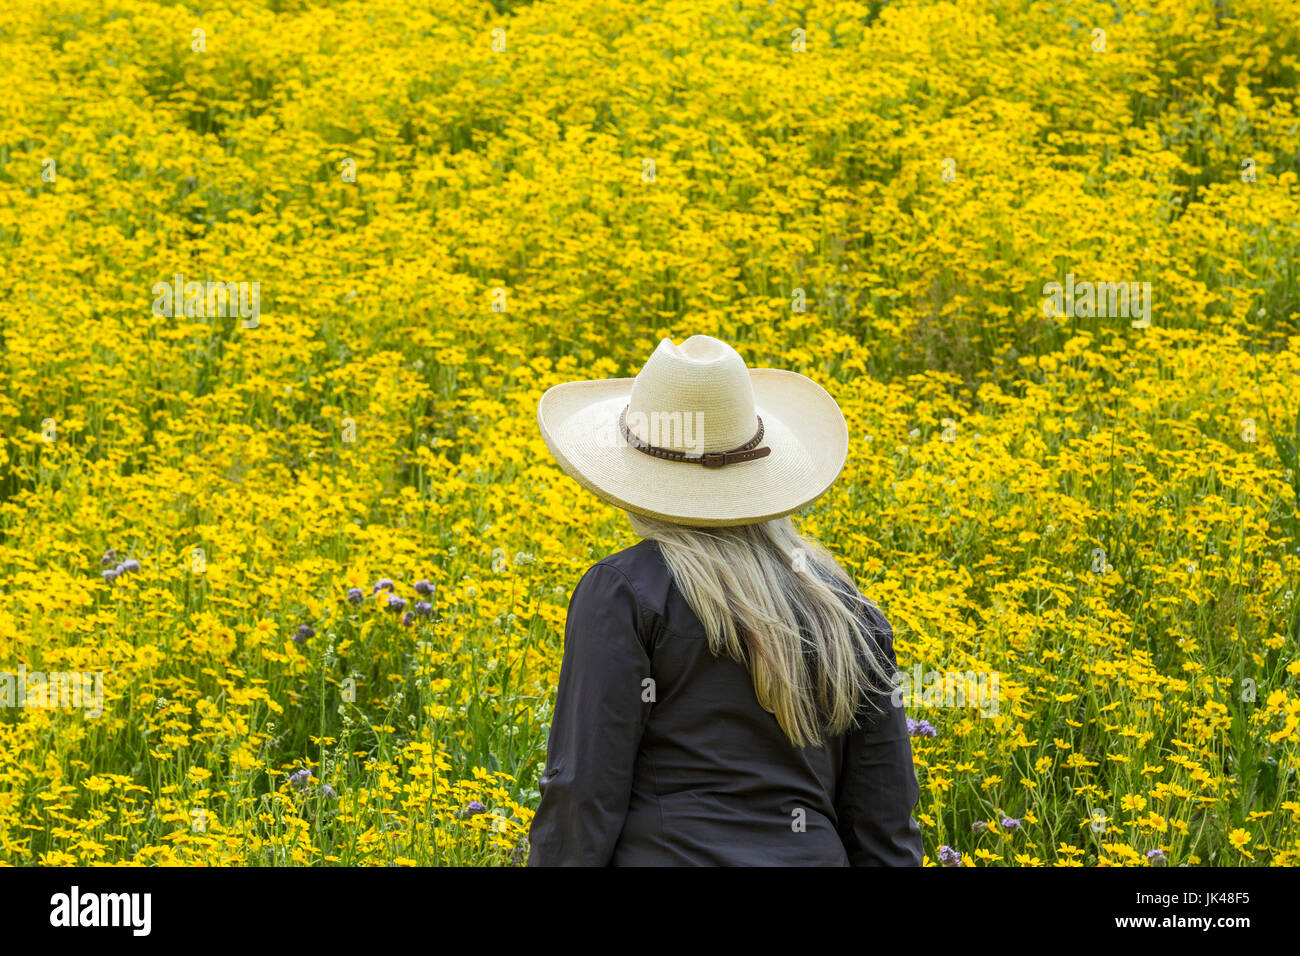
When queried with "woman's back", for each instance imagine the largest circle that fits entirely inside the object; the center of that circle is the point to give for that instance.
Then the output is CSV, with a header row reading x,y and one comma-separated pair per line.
x,y
660,753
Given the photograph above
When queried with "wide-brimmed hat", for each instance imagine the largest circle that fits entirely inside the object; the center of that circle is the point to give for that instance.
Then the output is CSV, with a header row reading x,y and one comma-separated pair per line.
x,y
697,438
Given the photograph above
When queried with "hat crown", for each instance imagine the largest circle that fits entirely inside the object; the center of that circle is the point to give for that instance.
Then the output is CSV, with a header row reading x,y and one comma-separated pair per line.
x,y
695,397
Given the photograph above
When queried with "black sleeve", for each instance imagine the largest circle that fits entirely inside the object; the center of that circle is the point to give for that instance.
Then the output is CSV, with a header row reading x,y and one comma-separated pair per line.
x,y
878,789
597,725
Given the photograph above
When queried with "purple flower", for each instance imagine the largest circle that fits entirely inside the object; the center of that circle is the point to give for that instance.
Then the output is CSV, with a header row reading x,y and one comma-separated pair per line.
x,y
920,728
127,566
300,778
425,588
327,791
396,604
110,557
304,634
408,619
383,584
111,574
1010,823
356,595
979,826
423,608
1156,857
473,809
518,854
948,856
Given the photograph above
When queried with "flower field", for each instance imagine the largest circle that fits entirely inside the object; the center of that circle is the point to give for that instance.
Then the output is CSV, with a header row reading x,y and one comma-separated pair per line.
x,y
320,557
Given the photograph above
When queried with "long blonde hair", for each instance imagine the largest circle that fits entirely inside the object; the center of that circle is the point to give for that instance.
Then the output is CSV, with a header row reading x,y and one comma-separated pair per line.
x,y
757,591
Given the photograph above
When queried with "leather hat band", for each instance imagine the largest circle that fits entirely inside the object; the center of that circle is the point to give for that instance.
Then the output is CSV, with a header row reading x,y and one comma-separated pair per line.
x,y
709,459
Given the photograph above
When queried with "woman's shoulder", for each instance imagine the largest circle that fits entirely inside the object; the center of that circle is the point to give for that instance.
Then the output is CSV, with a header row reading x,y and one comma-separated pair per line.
x,y
639,555
637,573
642,565
637,564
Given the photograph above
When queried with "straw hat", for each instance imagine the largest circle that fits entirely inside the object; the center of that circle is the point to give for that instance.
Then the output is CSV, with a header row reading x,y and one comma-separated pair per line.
x,y
697,438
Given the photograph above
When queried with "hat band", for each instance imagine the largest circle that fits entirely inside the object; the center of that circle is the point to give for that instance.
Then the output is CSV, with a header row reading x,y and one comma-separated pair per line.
x,y
709,459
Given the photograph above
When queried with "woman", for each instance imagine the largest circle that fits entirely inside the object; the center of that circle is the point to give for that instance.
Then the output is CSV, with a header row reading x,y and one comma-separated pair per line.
x,y
725,691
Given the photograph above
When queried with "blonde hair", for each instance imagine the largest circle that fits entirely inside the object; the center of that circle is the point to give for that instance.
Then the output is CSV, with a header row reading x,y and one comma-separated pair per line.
x,y
764,595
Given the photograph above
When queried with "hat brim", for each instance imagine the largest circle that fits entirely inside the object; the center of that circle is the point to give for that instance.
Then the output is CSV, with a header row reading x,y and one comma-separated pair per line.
x,y
802,425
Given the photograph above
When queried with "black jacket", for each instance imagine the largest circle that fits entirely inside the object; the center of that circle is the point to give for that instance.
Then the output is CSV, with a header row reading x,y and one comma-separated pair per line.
x,y
660,754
